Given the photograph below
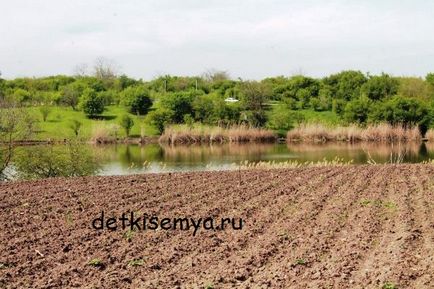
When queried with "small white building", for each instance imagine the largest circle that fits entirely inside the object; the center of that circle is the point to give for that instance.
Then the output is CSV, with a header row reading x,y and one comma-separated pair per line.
x,y
231,99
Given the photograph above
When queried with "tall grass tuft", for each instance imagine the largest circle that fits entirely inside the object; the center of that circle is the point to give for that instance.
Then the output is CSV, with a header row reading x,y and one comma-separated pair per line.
x,y
183,134
353,133
104,133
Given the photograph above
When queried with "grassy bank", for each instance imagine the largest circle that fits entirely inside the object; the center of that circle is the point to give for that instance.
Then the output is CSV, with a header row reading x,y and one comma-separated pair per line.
x,y
183,134
57,126
353,133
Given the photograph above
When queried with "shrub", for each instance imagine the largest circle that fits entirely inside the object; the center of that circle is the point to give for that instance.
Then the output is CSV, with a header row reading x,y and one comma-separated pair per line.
x,y
137,99
75,126
127,123
357,110
91,103
160,118
45,111
281,120
180,103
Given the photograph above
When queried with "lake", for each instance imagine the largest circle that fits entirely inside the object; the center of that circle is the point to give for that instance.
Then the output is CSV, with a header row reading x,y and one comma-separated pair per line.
x,y
129,159
122,159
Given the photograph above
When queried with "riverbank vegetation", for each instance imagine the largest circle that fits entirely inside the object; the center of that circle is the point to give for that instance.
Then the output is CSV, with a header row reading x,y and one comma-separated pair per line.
x,y
65,107
378,132
182,134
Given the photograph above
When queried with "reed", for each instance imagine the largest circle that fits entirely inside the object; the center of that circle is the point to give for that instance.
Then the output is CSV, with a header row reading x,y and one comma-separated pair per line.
x,y
183,134
430,134
352,133
269,165
104,133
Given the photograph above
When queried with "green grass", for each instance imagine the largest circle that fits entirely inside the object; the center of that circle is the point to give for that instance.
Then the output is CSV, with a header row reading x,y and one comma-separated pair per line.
x,y
57,125
136,262
95,262
323,117
389,285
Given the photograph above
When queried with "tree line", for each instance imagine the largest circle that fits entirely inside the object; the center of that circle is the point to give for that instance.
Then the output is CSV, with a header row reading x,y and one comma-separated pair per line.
x,y
215,99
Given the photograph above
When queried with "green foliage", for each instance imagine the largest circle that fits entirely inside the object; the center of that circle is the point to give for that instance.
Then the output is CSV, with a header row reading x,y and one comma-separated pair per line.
x,y
349,96
357,110
126,123
389,285
53,161
254,96
281,120
91,103
136,262
76,126
405,111
160,118
137,99
71,93
95,262
345,85
45,111
379,87
180,103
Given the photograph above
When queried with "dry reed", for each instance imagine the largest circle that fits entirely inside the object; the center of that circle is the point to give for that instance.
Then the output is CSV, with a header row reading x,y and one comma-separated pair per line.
x,y
182,134
353,133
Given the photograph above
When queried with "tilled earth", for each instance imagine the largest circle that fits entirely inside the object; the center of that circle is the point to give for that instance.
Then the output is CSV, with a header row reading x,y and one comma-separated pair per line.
x,y
324,227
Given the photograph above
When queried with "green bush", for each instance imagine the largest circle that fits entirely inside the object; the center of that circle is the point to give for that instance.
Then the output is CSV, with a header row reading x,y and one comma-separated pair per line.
x,y
137,99
160,118
127,123
357,110
91,102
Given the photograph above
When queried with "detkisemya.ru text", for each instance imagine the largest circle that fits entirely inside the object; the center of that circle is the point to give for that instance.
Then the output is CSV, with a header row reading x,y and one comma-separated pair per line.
x,y
145,222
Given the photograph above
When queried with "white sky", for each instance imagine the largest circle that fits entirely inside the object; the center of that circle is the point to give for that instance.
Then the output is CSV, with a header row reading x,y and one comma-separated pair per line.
x,y
250,39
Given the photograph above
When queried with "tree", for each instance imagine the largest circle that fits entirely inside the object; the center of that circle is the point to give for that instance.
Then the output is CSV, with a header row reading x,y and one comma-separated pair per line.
x,y
160,118
379,87
403,111
281,120
345,85
71,94
127,123
54,161
15,125
254,96
75,126
137,99
91,103
180,103
357,110
45,111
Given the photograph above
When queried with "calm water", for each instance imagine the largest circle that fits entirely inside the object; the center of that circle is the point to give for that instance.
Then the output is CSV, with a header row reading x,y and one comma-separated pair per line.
x,y
128,159
44,161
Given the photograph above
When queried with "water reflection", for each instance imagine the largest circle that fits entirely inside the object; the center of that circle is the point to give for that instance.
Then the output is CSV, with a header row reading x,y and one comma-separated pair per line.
x,y
128,159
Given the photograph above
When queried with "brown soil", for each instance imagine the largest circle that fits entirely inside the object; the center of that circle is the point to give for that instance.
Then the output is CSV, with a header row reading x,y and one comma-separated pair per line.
x,y
324,227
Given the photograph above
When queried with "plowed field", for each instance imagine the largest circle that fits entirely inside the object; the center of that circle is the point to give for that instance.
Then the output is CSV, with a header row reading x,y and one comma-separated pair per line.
x,y
325,227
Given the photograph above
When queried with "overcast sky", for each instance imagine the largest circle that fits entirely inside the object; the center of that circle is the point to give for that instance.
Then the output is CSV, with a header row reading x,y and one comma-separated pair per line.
x,y
250,39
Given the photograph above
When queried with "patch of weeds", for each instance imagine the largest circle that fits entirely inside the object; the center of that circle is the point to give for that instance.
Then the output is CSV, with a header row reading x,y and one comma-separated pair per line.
x,y
283,236
300,262
128,235
379,204
389,285
136,262
5,266
68,218
365,202
390,205
96,263
209,286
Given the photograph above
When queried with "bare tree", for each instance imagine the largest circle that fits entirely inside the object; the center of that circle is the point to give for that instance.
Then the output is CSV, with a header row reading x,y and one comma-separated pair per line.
x,y
105,68
81,69
15,125
213,75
